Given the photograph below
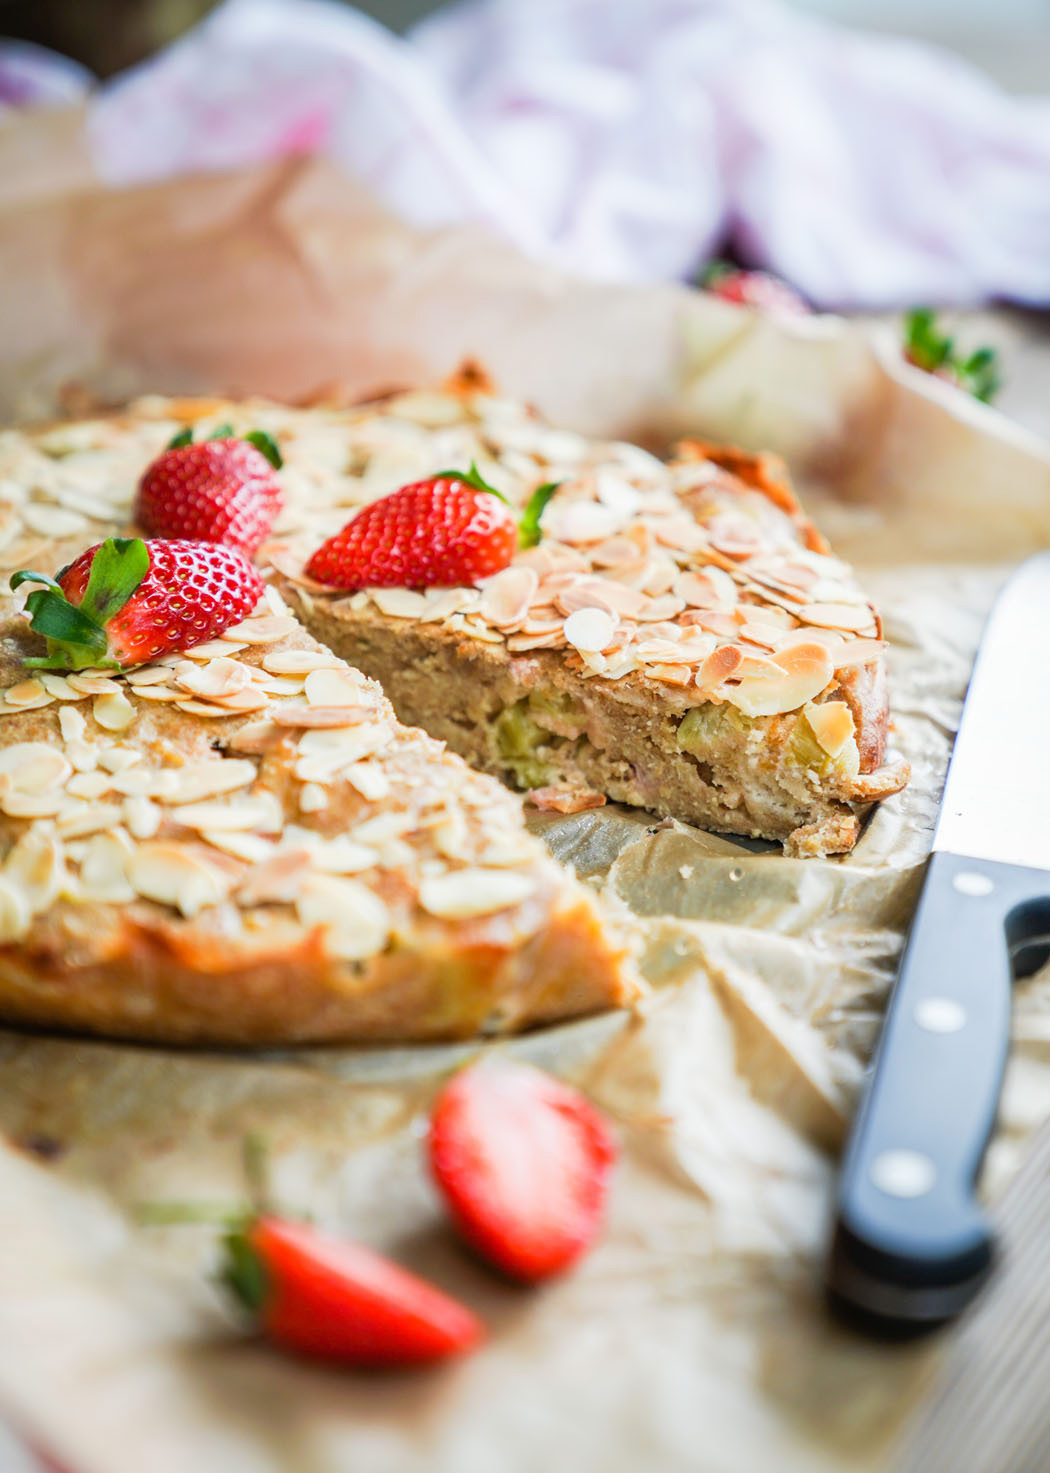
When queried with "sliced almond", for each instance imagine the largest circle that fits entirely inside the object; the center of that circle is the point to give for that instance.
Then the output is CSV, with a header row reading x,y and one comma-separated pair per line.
x,y
313,797
215,648
15,912
590,629
71,724
369,779
34,767
856,618
334,688
832,724
219,677
277,881
36,867
720,665
856,652
462,894
786,681
142,817
355,921
88,784
170,875
27,695
398,603
299,662
320,716
93,683
59,687
88,818
506,596
17,804
264,629
252,848
118,759
261,814
103,869
113,711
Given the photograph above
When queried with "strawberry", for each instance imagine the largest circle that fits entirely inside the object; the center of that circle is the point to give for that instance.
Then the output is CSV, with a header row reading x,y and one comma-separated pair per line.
x,y
523,1162
218,490
339,1301
450,529
124,601
929,348
758,289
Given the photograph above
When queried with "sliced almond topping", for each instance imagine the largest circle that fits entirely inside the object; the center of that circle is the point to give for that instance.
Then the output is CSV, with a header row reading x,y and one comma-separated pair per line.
x,y
17,804
59,687
152,674
203,708
88,818
114,711
369,779
299,662
34,767
252,848
118,759
103,869
142,817
832,723
320,716
219,677
264,629
88,784
36,867
398,603
341,856
506,596
590,629
356,922
312,798
72,724
257,737
260,814
854,617
720,665
157,693
215,648
856,652
172,876
460,894
93,683
788,680
27,694
277,881
334,688
15,913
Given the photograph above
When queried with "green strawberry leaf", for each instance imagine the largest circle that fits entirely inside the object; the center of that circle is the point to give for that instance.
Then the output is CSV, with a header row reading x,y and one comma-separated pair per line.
x,y
26,575
529,530
980,374
244,1272
117,569
74,641
714,272
184,437
222,432
927,346
266,445
473,477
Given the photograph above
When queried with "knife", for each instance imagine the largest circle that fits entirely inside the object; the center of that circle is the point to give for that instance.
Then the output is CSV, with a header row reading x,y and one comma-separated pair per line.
x,y
911,1246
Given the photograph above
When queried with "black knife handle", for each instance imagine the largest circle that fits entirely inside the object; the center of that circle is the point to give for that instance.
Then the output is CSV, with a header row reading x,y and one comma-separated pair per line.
x,y
911,1244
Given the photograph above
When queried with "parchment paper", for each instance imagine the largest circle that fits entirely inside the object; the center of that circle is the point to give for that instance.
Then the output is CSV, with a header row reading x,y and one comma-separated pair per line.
x,y
694,1337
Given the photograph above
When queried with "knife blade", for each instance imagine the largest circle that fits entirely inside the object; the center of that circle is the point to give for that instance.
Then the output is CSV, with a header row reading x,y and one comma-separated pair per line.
x,y
911,1246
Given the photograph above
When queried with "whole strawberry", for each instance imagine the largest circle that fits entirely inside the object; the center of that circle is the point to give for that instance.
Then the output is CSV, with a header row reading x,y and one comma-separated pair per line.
x,y
338,1301
448,530
125,601
218,490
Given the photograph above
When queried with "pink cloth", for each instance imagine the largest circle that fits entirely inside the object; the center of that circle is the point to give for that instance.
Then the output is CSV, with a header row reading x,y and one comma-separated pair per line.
x,y
626,139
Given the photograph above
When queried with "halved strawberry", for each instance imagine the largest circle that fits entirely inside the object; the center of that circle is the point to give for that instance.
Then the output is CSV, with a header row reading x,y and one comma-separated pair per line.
x,y
523,1162
339,1301
218,490
125,601
450,529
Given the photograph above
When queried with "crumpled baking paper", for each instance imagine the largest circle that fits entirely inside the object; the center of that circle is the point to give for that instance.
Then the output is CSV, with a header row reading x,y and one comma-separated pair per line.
x,y
625,143
694,1337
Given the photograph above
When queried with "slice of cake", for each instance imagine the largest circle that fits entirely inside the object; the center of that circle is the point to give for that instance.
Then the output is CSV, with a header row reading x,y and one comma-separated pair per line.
x,y
240,844
679,638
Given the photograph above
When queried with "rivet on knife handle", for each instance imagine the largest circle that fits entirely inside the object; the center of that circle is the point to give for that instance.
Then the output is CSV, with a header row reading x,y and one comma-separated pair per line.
x,y
911,1243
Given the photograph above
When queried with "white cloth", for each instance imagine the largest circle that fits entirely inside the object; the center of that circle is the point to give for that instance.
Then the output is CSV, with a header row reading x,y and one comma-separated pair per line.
x,y
626,139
